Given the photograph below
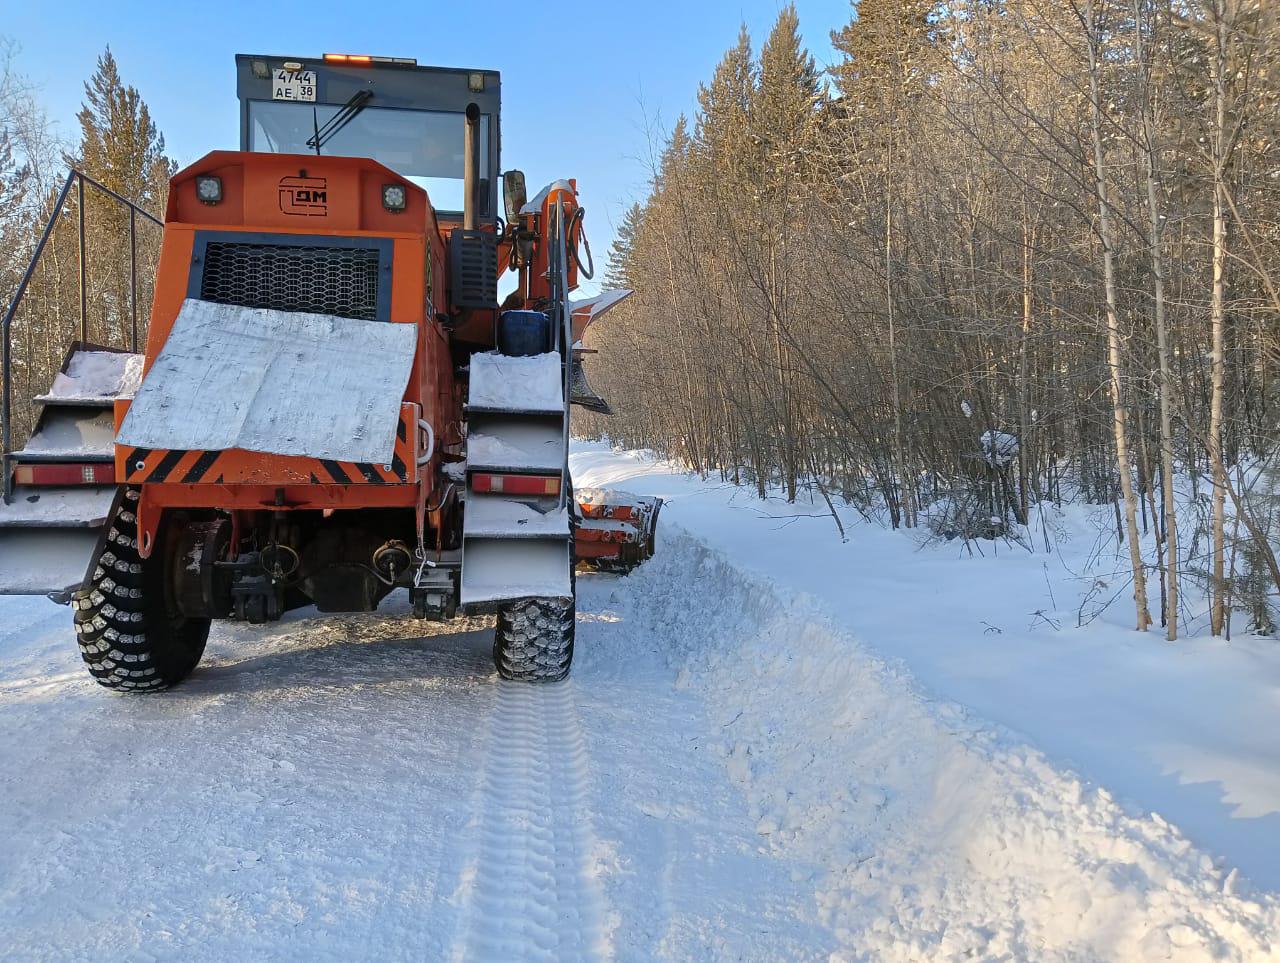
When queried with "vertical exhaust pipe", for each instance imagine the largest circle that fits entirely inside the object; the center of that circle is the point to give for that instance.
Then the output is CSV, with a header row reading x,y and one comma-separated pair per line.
x,y
471,167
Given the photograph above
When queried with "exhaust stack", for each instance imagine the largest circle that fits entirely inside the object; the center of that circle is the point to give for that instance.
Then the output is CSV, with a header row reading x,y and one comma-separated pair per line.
x,y
471,167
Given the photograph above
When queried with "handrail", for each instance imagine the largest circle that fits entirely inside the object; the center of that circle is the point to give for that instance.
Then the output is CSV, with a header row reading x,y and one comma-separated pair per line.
x,y
78,179
560,291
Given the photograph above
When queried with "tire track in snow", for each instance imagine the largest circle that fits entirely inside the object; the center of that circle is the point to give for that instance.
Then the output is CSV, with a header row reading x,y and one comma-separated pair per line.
x,y
530,891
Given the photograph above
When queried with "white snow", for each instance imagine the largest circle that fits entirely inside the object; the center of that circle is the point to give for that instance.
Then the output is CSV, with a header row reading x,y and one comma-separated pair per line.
x,y
493,570
37,560
516,445
282,382
510,383
66,433
586,495
586,311
97,376
759,765
998,448
1186,730
493,516
534,205
51,506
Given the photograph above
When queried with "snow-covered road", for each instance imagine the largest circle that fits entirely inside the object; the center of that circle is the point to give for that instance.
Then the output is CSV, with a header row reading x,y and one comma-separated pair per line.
x,y
364,787
727,775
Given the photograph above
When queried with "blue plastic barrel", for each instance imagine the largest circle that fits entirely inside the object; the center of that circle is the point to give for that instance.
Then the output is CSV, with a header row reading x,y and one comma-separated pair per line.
x,y
524,333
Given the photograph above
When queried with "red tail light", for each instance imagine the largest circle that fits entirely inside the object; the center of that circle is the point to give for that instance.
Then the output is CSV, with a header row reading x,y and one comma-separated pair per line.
x,y
87,473
489,483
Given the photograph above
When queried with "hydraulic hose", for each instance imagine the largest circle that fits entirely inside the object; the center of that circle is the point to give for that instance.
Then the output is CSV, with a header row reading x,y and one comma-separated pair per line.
x,y
576,222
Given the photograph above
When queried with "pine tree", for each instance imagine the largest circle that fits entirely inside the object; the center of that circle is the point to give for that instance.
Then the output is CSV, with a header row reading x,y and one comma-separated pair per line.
x,y
119,142
783,113
888,49
619,272
722,134
121,147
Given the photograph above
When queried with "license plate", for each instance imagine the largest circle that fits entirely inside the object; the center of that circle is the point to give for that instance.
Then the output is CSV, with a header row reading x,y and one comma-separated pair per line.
x,y
293,85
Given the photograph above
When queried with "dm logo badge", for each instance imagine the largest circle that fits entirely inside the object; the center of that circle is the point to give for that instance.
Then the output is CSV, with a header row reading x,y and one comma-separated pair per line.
x,y
305,196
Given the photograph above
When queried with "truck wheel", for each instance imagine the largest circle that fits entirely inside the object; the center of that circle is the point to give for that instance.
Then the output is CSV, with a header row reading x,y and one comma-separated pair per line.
x,y
130,633
533,641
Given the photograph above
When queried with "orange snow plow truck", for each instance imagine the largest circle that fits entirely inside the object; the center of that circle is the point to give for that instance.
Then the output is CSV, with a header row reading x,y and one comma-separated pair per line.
x,y
332,403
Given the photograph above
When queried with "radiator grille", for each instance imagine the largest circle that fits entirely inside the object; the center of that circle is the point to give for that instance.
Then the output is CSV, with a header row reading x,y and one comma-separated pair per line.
x,y
319,280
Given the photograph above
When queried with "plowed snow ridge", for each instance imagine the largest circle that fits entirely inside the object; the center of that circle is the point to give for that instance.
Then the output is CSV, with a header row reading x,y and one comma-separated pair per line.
x,y
726,776
937,836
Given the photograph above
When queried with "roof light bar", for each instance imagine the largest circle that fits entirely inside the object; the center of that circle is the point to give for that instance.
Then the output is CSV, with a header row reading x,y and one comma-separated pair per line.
x,y
336,58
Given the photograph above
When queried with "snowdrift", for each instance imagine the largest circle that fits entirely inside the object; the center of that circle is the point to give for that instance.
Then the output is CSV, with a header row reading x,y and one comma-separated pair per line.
x,y
931,835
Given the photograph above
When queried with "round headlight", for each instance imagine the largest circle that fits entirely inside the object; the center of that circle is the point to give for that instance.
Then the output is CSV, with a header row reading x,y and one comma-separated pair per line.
x,y
394,197
209,189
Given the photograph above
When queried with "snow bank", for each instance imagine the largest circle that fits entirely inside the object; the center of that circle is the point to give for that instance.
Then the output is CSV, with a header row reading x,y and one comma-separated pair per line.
x,y
932,835
1185,730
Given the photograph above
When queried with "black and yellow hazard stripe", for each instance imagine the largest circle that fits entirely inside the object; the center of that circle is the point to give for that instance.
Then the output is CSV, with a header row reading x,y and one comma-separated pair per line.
x,y
147,466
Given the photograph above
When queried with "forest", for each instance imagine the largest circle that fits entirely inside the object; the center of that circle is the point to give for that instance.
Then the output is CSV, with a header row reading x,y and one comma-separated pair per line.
x,y
1002,254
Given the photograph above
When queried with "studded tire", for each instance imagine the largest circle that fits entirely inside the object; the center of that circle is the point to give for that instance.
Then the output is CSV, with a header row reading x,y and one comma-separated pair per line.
x,y
533,641
128,629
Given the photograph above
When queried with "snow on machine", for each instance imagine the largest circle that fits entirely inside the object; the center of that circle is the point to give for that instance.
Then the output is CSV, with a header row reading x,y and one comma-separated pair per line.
x,y
332,403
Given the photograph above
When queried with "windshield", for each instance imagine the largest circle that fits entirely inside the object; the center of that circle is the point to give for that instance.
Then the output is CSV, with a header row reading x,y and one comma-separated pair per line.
x,y
425,146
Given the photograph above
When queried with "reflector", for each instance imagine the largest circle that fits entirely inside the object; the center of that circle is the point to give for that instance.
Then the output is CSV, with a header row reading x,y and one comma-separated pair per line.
x,y
64,474
488,482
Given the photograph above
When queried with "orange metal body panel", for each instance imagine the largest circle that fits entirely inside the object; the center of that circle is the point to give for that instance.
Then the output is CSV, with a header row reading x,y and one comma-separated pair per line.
x,y
315,196
586,549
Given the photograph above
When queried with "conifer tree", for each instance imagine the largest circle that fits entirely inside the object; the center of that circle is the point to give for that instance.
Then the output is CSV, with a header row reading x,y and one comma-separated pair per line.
x,y
786,98
121,147
119,142
620,271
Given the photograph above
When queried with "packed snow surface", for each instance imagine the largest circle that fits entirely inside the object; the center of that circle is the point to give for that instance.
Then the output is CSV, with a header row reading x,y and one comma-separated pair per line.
x,y
729,774
96,376
281,382
514,383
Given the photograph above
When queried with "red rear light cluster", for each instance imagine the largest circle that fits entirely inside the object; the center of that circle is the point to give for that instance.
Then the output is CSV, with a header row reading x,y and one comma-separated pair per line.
x,y
88,473
490,483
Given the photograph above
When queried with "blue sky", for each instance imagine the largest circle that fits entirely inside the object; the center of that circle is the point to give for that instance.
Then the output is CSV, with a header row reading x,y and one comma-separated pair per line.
x,y
579,78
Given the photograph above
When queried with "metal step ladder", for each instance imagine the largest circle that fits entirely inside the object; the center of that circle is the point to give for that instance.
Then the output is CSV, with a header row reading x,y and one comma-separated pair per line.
x,y
516,528
63,480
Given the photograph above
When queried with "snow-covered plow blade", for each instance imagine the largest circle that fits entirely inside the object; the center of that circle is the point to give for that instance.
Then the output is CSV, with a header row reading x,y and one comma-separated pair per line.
x,y
62,481
617,530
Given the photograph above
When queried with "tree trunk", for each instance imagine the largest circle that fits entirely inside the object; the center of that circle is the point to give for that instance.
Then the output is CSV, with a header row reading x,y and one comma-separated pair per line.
x,y
1114,343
